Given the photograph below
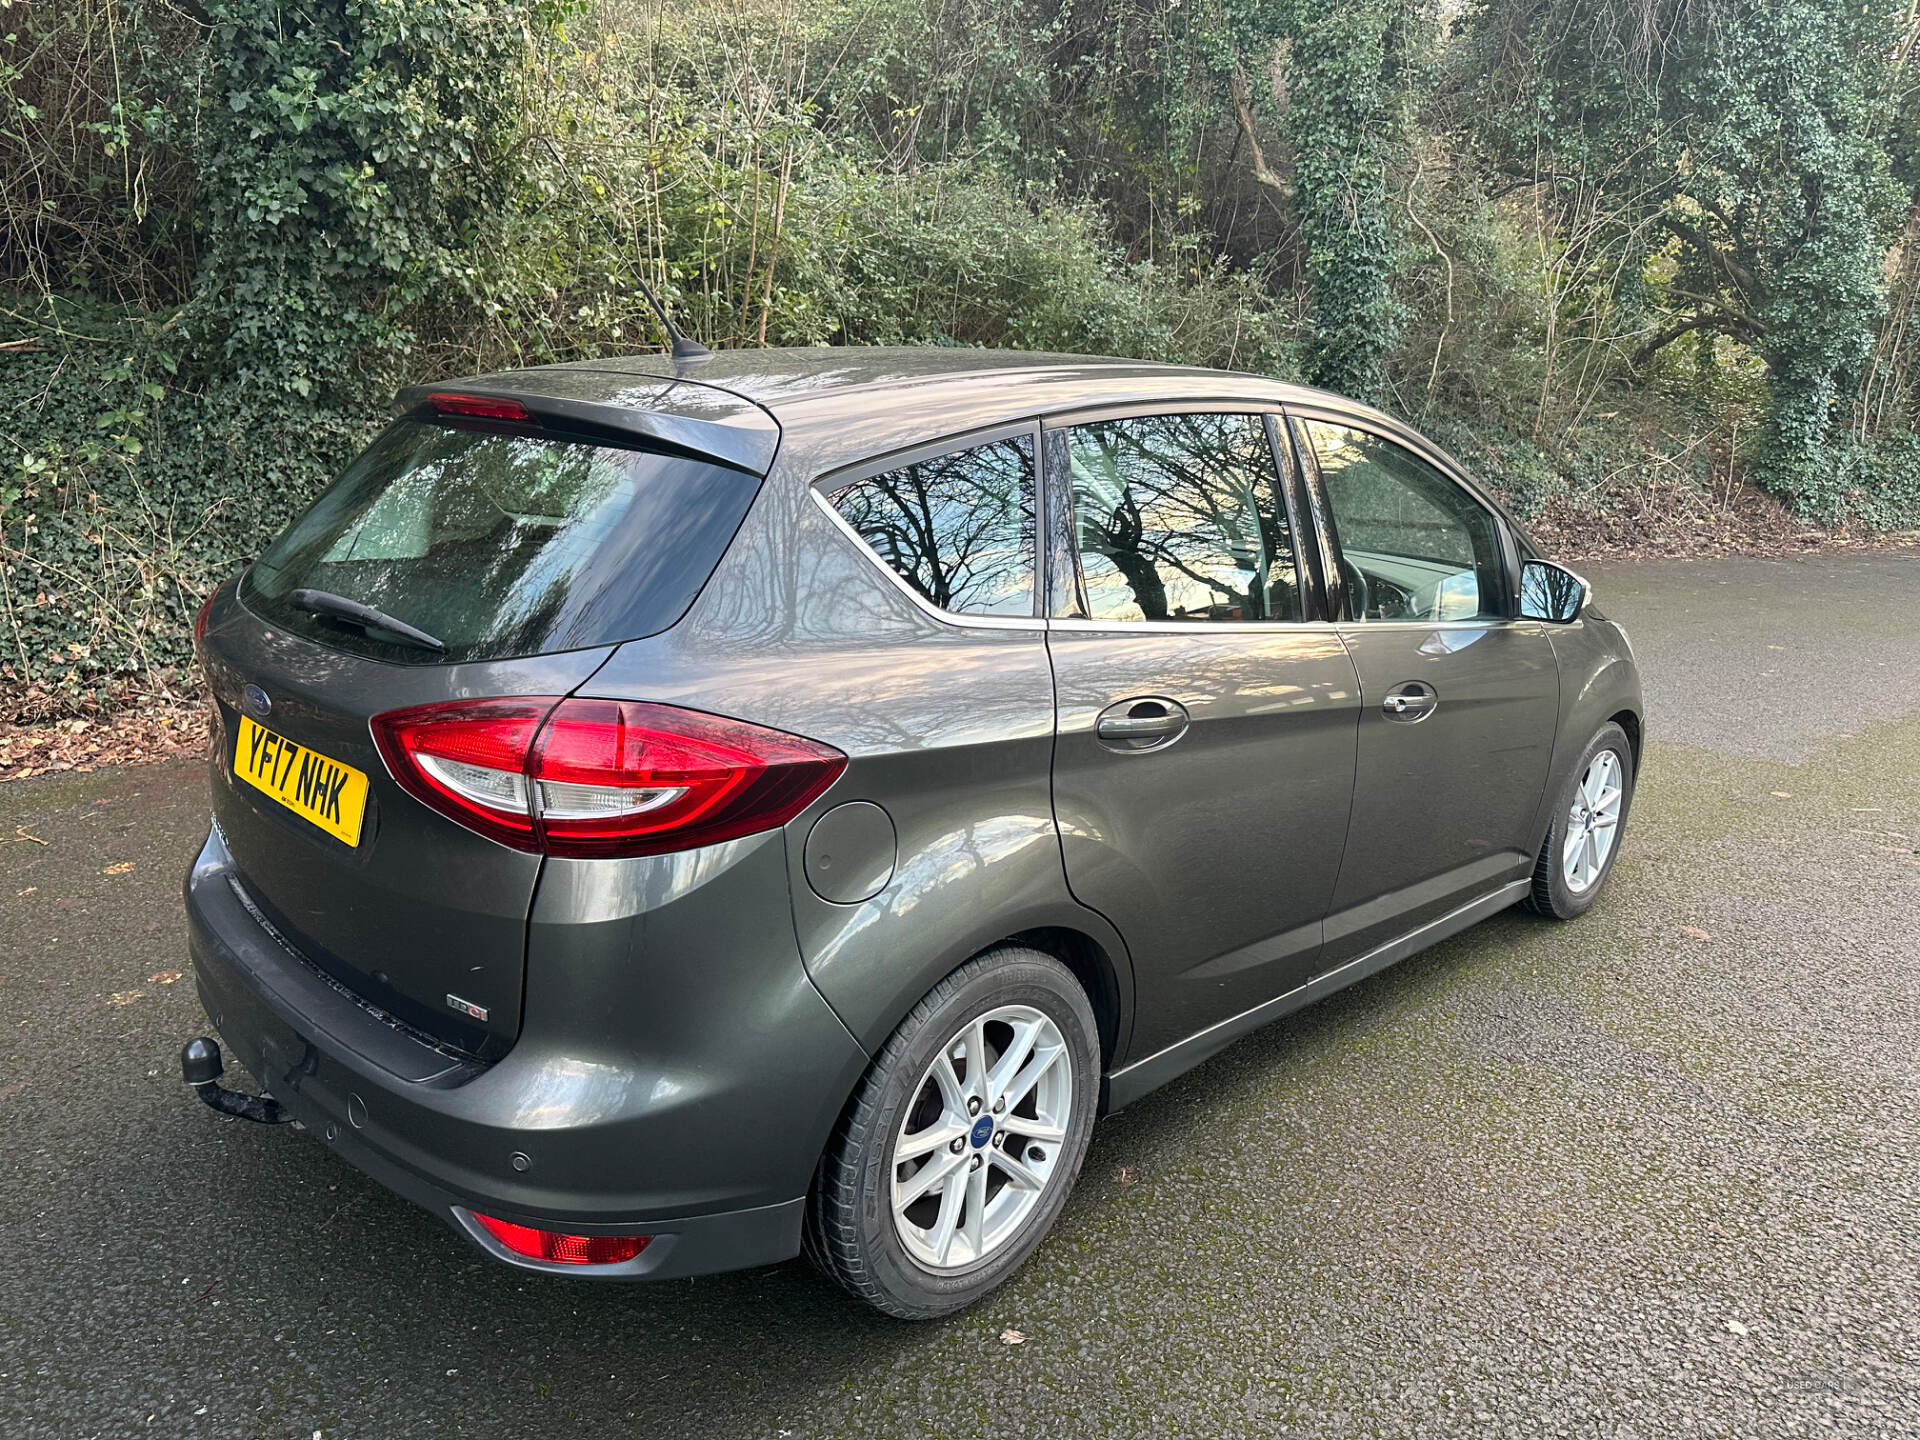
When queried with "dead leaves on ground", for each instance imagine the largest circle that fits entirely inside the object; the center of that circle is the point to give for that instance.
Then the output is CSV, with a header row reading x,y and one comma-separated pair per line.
x,y
157,731
159,977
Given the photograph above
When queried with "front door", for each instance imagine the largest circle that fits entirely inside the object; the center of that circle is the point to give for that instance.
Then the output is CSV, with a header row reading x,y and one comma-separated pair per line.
x,y
1459,698
1204,755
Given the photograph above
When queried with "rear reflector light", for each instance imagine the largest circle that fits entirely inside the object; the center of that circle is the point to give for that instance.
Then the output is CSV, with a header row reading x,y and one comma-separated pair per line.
x,y
485,406
601,777
564,1249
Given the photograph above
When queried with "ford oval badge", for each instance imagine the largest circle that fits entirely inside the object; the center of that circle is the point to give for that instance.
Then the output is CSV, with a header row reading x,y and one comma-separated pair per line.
x,y
254,701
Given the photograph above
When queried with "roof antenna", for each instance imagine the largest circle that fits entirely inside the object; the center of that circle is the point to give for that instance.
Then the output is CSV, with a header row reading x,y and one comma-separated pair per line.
x,y
683,348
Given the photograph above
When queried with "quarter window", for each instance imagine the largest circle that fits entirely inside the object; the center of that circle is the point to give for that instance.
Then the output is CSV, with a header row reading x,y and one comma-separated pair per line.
x,y
1414,544
958,528
1180,517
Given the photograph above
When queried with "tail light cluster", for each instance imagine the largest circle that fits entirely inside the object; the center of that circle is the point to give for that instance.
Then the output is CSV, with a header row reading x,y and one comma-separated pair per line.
x,y
582,777
200,620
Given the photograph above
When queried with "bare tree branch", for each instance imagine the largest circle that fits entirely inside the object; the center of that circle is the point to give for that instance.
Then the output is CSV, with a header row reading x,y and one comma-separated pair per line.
x,y
1243,110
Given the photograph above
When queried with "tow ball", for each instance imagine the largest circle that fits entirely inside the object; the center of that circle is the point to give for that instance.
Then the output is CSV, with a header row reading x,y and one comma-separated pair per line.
x,y
200,1067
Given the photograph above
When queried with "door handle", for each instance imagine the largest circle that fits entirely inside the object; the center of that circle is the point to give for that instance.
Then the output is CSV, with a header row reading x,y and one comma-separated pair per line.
x,y
1148,723
1412,701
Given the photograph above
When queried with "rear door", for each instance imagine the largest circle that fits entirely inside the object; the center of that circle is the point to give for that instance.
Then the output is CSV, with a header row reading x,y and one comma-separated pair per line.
x,y
1459,696
1204,753
525,553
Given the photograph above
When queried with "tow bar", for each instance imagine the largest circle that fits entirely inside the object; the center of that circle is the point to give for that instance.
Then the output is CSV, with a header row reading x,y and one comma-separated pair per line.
x,y
201,1068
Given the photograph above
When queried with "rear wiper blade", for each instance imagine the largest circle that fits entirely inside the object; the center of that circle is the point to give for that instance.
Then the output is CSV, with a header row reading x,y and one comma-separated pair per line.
x,y
339,607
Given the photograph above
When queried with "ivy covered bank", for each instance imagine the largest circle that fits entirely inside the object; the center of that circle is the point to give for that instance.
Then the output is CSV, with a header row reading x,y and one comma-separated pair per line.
x,y
1649,265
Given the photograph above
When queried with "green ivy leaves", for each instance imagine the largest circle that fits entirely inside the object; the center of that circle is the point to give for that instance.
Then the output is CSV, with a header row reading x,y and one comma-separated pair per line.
x,y
352,146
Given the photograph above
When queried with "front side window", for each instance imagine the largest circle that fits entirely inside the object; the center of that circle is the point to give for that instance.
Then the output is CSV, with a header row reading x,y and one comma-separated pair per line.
x,y
1180,517
1414,544
957,528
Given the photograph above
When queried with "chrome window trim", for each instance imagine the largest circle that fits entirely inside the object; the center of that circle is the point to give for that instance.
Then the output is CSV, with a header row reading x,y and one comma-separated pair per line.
x,y
1483,622
1384,427
1183,405
1513,534
952,618
1288,627
1079,624
871,465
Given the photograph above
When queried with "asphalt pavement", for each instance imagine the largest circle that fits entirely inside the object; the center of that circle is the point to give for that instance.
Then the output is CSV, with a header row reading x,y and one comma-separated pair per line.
x,y
1655,1173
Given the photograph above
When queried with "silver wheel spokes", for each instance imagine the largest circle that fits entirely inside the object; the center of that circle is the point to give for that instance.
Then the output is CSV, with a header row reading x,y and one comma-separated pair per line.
x,y
1593,823
961,1187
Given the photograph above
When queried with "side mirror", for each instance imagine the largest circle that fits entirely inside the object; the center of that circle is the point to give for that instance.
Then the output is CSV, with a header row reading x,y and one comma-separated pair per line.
x,y
1552,593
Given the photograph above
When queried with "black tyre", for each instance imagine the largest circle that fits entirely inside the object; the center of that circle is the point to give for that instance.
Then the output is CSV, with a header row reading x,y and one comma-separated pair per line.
x,y
961,1143
1589,821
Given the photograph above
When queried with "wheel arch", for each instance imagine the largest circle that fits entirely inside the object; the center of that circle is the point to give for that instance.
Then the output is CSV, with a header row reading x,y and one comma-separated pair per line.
x,y
1093,967
1098,962
1599,683
1629,721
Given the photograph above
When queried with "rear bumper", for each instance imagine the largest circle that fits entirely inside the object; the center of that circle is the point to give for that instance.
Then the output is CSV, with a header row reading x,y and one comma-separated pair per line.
x,y
554,1134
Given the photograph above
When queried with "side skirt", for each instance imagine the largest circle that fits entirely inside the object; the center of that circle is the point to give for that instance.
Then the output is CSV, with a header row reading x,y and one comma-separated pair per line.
x,y
1123,1087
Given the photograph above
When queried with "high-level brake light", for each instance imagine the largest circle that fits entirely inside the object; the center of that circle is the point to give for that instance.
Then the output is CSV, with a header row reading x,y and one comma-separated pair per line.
x,y
486,407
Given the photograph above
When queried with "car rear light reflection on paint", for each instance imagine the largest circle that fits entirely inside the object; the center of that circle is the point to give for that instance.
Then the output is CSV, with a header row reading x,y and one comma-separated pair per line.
x,y
200,620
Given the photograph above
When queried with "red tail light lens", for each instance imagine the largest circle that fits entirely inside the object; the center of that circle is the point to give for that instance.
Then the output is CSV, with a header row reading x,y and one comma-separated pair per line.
x,y
468,760
200,620
601,777
615,777
487,407
564,1249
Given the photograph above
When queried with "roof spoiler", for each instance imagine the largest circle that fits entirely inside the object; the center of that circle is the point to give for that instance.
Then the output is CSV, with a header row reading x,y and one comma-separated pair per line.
x,y
680,414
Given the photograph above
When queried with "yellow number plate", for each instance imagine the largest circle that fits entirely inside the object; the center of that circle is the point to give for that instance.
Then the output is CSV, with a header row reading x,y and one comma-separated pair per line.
x,y
331,795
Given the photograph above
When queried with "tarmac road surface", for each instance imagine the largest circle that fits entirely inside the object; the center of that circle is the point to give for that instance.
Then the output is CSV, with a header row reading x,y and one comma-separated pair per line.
x,y
1655,1173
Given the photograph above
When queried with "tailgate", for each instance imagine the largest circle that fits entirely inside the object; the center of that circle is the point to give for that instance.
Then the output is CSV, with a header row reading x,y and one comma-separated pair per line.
x,y
419,916
475,551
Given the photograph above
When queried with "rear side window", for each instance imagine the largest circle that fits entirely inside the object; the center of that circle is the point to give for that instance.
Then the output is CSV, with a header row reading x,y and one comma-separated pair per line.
x,y
502,544
1180,517
957,528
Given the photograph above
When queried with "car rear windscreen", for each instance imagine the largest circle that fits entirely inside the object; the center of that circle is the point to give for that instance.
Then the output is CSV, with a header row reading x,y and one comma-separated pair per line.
x,y
502,544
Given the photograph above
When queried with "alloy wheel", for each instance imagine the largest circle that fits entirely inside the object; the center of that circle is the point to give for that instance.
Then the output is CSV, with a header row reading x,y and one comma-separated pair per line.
x,y
1593,822
982,1138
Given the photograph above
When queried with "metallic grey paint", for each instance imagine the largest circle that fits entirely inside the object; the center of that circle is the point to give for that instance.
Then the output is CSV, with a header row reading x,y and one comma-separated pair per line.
x,y
1442,809
429,906
673,1037
1215,856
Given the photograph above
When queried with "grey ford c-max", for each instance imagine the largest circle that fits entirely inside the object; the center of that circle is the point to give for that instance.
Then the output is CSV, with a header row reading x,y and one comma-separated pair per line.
x,y
670,815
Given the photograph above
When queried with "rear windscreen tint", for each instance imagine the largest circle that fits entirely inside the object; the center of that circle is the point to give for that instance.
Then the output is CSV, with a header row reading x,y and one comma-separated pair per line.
x,y
504,544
